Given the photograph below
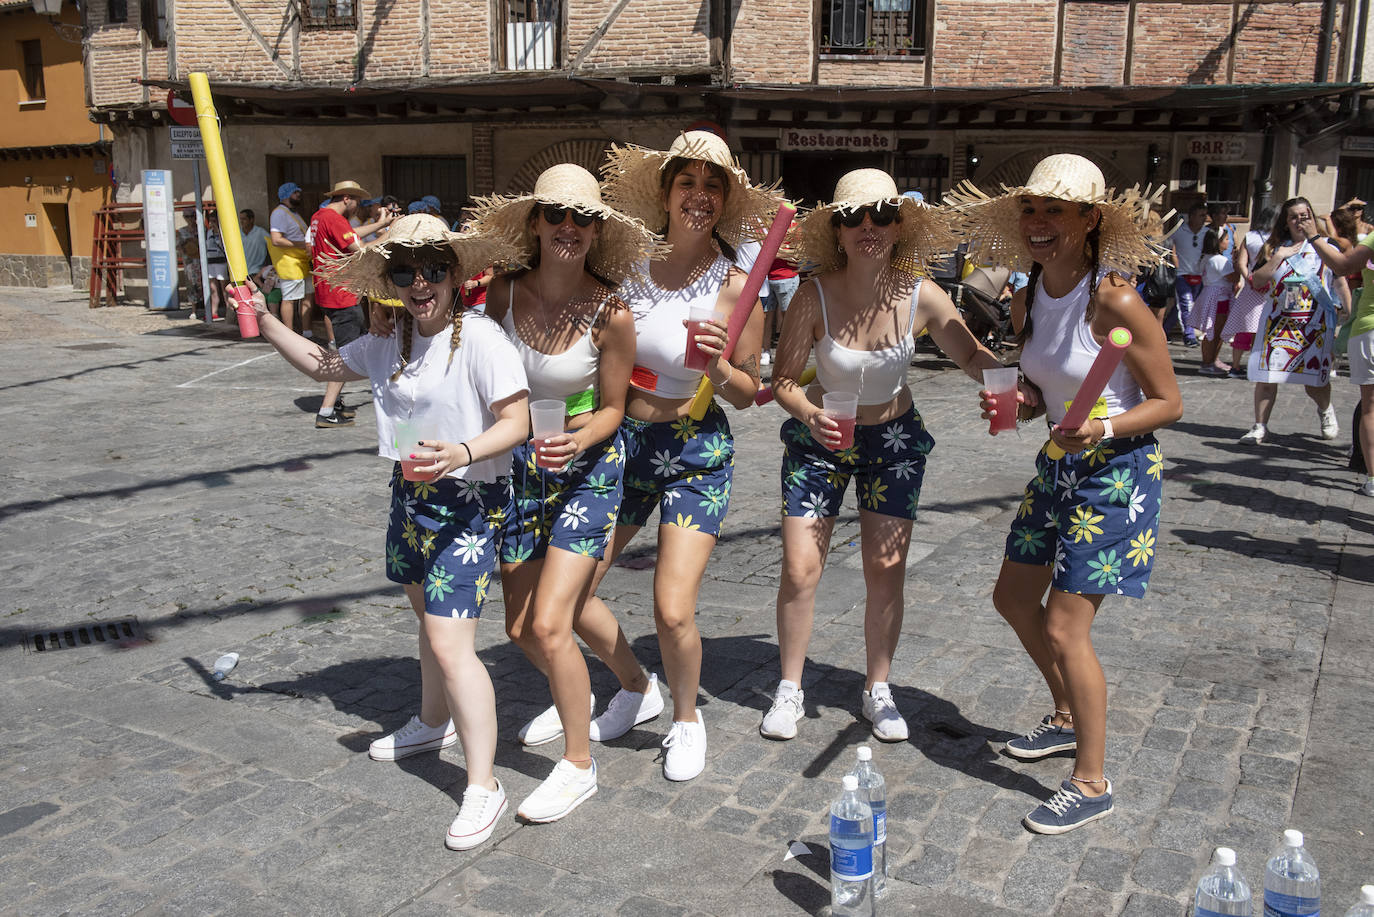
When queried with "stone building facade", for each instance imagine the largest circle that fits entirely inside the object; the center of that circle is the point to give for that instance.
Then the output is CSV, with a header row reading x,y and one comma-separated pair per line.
x,y
1232,100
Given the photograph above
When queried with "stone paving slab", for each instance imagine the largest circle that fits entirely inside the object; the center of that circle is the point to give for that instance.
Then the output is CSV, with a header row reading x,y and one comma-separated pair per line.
x,y
159,469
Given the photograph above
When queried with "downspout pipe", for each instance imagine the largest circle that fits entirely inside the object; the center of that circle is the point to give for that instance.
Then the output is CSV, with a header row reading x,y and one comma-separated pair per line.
x,y
1324,39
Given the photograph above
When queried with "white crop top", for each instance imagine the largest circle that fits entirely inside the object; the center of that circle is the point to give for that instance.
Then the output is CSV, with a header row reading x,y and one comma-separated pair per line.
x,y
1062,348
877,376
660,337
561,376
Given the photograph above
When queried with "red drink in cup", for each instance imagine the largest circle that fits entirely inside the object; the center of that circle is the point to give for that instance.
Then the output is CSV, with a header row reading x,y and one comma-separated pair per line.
x,y
1001,384
542,460
843,408
846,433
546,422
409,434
694,357
408,466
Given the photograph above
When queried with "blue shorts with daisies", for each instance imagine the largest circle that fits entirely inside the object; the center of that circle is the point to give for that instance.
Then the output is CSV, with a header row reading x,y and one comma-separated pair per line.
x,y
445,535
682,468
575,509
1094,516
887,459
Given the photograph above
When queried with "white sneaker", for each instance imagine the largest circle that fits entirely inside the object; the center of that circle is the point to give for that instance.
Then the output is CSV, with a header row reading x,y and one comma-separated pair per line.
x,y
780,722
1367,488
562,791
1255,436
411,739
765,359
1328,421
881,710
686,744
476,817
546,726
627,710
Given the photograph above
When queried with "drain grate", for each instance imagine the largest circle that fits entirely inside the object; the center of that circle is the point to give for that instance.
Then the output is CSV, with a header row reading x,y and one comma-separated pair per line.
x,y
75,636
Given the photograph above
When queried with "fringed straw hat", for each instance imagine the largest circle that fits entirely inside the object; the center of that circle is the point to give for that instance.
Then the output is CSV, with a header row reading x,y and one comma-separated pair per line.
x,y
634,185
991,225
623,244
365,273
924,235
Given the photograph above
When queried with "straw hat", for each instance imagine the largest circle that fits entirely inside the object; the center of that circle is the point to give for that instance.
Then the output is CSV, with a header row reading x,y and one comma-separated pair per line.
x,y
365,272
622,244
923,236
634,185
351,188
991,225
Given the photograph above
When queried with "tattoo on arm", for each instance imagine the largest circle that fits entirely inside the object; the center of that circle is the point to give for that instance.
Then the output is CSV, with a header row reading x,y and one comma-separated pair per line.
x,y
750,367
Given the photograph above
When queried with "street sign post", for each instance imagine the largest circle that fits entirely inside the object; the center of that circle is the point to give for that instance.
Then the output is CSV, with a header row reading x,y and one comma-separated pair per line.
x,y
186,143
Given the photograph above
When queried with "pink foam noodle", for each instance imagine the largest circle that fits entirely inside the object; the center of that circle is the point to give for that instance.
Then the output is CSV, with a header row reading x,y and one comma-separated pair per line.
x,y
1093,384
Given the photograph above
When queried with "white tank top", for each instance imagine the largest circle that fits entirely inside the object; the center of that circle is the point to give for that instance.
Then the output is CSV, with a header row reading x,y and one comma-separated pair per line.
x,y
558,375
1062,348
877,376
660,337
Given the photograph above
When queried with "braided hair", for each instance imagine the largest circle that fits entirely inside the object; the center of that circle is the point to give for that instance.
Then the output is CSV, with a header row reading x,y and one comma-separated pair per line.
x,y
1094,242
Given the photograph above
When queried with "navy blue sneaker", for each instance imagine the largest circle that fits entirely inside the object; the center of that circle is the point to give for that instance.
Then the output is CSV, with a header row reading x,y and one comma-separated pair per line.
x,y
1044,740
1068,809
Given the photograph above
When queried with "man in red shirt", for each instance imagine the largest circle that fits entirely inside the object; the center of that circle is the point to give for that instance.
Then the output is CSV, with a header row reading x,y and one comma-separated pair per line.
x,y
332,236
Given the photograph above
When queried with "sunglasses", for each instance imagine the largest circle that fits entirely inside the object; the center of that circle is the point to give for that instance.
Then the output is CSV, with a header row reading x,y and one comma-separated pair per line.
x,y
880,215
555,214
403,275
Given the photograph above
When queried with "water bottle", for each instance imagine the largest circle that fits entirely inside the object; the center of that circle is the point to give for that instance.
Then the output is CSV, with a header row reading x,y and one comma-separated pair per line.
x,y
224,665
1222,891
851,852
1292,886
1365,906
872,781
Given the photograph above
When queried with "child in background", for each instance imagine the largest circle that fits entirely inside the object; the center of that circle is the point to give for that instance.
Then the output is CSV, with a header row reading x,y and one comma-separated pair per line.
x,y
1213,303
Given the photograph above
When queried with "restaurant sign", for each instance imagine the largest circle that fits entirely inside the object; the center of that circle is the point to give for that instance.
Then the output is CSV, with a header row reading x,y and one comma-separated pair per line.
x,y
793,138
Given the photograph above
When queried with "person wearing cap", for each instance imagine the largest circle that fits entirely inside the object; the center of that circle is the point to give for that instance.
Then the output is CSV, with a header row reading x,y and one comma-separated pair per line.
x,y
332,236
1088,522
699,198
291,255
454,374
861,316
576,340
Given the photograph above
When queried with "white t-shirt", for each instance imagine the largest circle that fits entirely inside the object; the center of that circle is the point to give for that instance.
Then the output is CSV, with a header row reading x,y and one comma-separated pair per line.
x,y
452,399
1188,248
1215,268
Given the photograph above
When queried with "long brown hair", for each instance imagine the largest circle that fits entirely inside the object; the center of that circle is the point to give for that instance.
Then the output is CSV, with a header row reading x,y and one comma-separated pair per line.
x,y
1094,246
1278,234
674,168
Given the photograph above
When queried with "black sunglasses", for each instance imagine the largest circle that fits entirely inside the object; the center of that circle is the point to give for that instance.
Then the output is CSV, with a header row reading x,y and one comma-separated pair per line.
x,y
555,214
880,215
403,275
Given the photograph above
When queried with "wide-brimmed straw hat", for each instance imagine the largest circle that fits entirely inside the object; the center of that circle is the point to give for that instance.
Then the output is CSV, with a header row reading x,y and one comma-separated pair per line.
x,y
351,188
991,225
623,243
634,185
924,235
366,272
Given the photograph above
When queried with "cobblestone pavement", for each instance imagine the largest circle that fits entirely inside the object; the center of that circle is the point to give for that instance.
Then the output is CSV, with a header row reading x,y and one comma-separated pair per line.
x,y
159,469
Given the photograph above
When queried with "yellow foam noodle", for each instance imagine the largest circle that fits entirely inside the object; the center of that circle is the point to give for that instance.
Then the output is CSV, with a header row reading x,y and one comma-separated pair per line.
x,y
219,177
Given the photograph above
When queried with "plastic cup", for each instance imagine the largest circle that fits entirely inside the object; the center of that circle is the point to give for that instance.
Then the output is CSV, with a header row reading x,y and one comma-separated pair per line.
x,y
1001,383
408,436
546,420
243,309
694,357
843,408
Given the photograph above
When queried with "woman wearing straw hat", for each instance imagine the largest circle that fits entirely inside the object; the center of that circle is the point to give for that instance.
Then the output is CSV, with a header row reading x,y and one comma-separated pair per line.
x,y
576,340
861,315
453,379
1087,523
702,200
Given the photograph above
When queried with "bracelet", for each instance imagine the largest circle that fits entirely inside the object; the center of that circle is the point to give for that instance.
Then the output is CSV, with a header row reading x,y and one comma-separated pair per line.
x,y
727,378
468,450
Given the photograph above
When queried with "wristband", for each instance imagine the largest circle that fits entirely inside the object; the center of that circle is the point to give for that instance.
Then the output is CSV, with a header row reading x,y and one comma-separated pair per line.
x,y
727,379
468,450
1106,429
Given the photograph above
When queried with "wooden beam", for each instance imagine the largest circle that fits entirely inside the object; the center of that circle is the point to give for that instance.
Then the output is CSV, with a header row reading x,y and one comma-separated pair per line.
x,y
598,33
257,37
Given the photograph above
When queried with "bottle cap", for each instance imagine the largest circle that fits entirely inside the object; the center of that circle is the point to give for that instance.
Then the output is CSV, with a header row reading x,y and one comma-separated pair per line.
x,y
1224,856
1367,894
865,753
1292,838
849,782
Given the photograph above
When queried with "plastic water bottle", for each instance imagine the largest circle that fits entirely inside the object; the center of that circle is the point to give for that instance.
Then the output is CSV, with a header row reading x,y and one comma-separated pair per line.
x,y
872,781
1222,891
1365,906
851,852
224,665
1292,885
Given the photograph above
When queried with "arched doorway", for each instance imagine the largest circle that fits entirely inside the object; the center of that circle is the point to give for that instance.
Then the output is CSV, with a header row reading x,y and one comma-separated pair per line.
x,y
588,153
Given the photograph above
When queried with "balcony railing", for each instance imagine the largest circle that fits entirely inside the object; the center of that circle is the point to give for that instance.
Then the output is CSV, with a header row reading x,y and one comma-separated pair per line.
x,y
531,34
873,27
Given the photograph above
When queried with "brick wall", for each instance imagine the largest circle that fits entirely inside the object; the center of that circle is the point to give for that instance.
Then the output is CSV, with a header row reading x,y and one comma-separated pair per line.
x,y
1094,45
1279,45
647,34
977,43
772,41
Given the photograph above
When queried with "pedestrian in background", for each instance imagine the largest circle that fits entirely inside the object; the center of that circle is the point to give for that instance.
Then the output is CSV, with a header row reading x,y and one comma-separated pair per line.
x,y
1247,303
1186,240
1213,304
291,256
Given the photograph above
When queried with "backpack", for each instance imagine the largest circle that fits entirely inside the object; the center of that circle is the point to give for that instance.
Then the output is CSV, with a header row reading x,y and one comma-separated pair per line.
x,y
1159,283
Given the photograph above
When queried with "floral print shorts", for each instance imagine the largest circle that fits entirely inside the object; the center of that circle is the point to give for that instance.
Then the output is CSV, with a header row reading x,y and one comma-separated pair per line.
x,y
681,467
887,459
575,509
445,535
1094,516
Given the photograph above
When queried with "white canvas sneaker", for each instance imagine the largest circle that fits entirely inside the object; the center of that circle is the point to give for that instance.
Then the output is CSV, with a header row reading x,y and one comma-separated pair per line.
x,y
627,710
562,791
545,727
476,817
881,710
780,722
412,739
686,744
1255,436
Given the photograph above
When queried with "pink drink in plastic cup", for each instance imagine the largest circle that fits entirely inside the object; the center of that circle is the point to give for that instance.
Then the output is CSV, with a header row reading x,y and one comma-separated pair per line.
x,y
546,422
694,357
243,308
843,408
408,466
1001,384
846,433
542,460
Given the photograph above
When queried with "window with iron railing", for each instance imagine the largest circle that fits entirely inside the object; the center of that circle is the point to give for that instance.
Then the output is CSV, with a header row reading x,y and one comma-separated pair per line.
x,y
329,14
530,34
31,50
873,27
